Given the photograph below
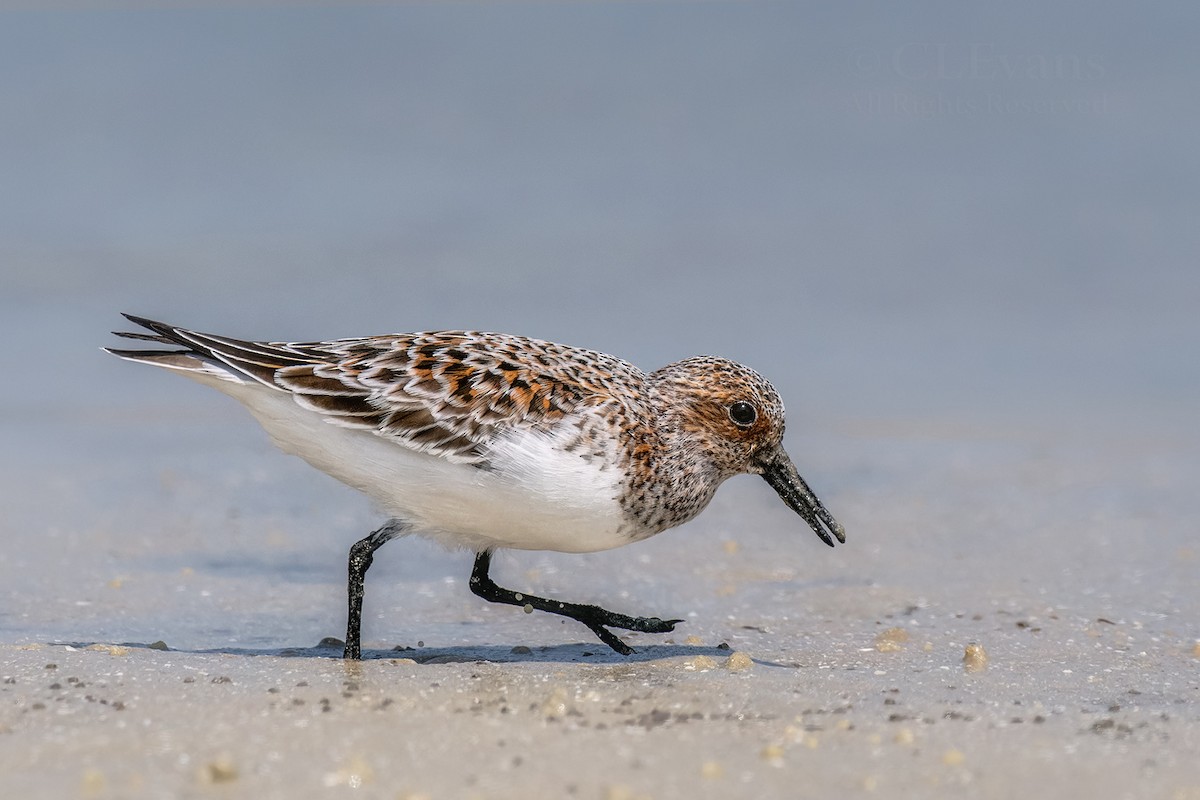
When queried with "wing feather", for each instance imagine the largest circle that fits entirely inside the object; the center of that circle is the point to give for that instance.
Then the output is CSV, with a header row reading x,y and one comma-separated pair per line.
x,y
444,393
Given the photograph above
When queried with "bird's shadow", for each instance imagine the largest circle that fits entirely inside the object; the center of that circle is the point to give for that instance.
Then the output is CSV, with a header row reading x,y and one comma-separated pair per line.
x,y
579,653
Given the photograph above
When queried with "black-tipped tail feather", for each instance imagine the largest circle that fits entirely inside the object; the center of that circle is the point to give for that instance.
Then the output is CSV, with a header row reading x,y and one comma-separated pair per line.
x,y
238,358
160,336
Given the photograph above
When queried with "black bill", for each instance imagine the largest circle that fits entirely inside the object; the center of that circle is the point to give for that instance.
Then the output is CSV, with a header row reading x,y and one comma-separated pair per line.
x,y
779,471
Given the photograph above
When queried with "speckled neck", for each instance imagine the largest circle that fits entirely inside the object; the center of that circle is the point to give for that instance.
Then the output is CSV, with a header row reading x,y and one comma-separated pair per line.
x,y
672,479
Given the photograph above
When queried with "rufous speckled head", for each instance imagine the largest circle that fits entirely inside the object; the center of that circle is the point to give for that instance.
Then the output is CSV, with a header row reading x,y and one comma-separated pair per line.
x,y
736,419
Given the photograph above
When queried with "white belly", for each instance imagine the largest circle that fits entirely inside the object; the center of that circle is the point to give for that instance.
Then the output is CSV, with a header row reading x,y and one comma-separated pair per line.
x,y
535,497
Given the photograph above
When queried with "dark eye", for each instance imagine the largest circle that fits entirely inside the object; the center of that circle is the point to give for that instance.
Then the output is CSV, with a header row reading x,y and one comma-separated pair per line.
x,y
743,414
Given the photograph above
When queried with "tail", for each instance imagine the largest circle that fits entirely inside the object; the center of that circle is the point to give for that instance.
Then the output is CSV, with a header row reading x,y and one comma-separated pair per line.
x,y
206,355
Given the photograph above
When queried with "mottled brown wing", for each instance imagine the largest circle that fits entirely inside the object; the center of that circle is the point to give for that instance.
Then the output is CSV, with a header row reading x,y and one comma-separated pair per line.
x,y
447,393
443,393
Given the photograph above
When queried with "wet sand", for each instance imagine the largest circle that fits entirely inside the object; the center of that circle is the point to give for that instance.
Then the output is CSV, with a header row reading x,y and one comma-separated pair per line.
x,y
675,721
800,671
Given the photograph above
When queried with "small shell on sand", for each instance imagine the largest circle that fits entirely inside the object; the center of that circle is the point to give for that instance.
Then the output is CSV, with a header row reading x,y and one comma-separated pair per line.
x,y
975,658
891,640
557,705
700,664
738,662
353,774
111,649
219,770
773,755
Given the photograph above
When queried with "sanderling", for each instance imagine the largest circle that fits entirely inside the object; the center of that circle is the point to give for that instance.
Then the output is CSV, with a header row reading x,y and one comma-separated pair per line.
x,y
488,441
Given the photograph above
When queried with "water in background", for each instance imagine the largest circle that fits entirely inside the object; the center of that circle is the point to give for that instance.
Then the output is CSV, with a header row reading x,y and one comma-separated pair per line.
x,y
963,246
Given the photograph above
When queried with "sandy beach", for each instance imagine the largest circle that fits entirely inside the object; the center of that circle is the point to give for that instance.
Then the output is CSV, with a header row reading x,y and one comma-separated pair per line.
x,y
799,671
678,721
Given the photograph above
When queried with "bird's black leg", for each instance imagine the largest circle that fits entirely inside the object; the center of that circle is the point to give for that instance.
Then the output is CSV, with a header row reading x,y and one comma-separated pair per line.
x,y
594,617
362,553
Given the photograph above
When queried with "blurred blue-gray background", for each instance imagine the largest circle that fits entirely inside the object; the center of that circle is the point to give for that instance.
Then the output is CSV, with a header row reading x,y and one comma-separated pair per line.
x,y
933,210
910,218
